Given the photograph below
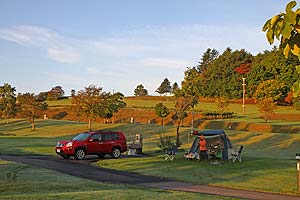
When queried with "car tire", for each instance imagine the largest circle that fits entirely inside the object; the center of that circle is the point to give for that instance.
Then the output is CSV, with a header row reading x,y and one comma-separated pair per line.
x,y
79,154
116,153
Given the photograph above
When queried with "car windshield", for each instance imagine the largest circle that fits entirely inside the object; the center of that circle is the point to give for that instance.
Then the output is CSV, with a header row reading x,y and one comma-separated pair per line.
x,y
81,136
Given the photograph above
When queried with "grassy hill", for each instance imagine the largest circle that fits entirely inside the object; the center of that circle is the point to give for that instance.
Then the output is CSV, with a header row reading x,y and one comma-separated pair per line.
x,y
268,158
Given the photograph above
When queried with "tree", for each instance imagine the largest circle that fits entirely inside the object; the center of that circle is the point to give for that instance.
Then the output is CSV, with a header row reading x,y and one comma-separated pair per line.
x,y
55,93
114,103
30,107
267,107
162,111
42,96
140,91
272,65
91,102
73,92
267,94
220,78
285,27
270,89
7,101
191,90
181,107
76,105
165,87
222,103
175,88
207,58
296,103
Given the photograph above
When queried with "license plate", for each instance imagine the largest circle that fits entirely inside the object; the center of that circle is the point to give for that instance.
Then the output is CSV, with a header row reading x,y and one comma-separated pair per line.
x,y
58,150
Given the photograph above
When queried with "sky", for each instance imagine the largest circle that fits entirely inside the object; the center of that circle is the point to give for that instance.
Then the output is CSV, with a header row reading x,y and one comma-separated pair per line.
x,y
119,44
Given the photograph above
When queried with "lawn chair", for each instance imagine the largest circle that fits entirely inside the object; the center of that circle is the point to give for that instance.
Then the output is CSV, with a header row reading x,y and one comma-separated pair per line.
x,y
233,156
171,153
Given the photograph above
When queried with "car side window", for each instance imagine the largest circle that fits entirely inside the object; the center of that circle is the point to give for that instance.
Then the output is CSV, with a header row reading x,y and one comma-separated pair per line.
x,y
96,137
115,136
107,137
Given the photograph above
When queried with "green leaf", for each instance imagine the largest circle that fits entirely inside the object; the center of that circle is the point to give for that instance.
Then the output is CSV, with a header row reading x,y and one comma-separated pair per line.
x,y
298,69
296,86
287,30
270,36
290,6
266,25
274,21
291,17
278,28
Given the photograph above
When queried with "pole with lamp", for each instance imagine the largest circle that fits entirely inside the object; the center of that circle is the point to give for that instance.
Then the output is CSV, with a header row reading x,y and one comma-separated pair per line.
x,y
244,85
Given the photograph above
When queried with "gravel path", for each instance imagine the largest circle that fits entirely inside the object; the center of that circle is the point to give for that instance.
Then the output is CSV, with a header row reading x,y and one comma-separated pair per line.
x,y
84,169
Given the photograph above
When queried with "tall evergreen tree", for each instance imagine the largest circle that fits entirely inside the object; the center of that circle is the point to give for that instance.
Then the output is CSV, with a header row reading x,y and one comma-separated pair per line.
x,y
7,101
140,91
165,87
207,58
175,88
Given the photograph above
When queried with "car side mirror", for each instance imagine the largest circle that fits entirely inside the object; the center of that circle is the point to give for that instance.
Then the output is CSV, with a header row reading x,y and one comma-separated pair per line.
x,y
91,140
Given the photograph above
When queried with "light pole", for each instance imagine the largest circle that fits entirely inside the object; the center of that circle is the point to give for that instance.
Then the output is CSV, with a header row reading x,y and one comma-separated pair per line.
x,y
192,124
244,84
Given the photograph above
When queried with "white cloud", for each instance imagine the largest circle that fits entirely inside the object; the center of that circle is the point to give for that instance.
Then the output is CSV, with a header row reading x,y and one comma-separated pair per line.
x,y
63,55
30,35
56,46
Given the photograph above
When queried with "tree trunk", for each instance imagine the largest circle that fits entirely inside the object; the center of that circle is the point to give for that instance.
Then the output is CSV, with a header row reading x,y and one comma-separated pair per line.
x,y
32,125
162,121
192,124
90,125
177,134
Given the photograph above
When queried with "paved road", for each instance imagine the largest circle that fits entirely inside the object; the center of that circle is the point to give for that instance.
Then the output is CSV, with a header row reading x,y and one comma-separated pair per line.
x,y
85,170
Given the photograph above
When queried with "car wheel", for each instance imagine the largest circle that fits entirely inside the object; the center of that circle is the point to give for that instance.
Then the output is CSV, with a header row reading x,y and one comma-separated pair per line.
x,y
79,154
116,153
65,156
101,155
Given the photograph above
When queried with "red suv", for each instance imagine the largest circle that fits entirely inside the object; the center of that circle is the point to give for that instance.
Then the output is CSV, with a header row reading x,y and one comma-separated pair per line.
x,y
97,142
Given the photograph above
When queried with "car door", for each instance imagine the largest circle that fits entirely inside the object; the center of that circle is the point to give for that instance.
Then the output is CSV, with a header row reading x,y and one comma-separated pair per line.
x,y
95,144
107,142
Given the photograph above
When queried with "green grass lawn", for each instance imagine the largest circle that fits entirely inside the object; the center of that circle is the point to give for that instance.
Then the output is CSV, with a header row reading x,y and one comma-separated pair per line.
x,y
268,158
254,173
18,181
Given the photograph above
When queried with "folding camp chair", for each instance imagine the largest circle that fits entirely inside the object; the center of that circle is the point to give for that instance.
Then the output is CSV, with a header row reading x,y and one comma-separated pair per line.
x,y
171,153
233,156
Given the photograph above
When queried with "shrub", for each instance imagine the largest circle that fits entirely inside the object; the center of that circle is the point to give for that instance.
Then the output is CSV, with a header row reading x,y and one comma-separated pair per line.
x,y
166,142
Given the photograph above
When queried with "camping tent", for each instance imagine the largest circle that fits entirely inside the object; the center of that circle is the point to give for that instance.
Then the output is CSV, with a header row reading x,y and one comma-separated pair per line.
x,y
214,139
